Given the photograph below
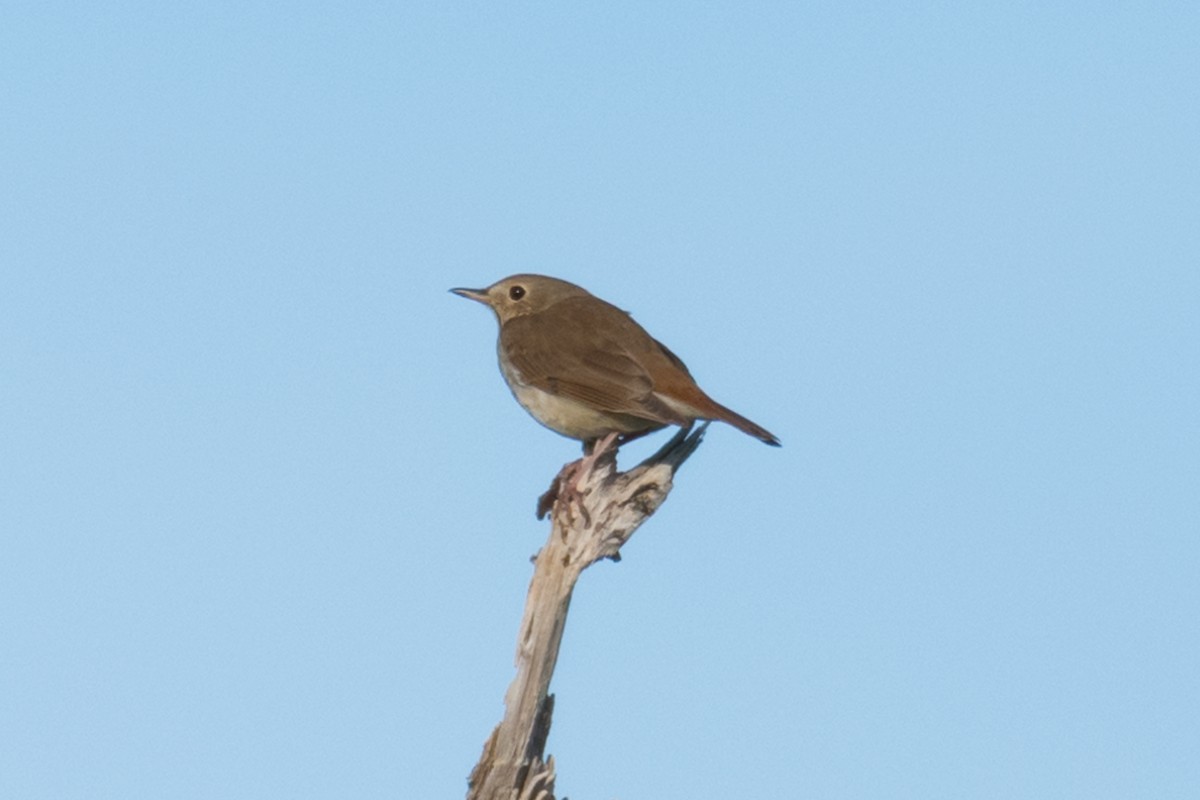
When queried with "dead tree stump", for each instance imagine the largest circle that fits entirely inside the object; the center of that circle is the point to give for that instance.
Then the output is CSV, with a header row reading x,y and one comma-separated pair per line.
x,y
588,525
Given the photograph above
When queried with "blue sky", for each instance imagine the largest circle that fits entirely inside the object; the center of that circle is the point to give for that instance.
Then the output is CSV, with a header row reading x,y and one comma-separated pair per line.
x,y
266,506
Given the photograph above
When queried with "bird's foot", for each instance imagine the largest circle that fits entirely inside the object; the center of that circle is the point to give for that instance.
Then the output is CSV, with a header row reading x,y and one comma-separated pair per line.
x,y
565,486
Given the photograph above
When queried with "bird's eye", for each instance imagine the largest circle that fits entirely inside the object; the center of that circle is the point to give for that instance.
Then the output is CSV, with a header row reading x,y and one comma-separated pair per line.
x,y
516,292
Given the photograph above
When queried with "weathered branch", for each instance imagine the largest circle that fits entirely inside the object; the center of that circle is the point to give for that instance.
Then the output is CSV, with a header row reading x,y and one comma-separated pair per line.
x,y
590,523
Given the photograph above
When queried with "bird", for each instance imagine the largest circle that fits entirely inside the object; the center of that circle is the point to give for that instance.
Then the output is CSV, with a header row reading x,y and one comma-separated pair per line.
x,y
585,369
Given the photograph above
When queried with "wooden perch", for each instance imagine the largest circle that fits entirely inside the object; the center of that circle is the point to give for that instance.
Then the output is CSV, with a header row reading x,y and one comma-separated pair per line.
x,y
589,524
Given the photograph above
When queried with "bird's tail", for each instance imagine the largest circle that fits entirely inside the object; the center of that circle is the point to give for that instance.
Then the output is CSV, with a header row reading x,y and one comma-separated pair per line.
x,y
744,425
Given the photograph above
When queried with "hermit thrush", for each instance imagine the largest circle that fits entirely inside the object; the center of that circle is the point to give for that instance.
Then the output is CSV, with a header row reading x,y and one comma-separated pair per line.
x,y
584,368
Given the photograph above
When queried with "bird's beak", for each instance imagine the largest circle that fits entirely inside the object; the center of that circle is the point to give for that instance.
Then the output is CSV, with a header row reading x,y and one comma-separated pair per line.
x,y
478,295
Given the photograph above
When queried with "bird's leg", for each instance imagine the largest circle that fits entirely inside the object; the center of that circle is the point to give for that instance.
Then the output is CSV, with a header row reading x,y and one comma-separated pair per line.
x,y
599,447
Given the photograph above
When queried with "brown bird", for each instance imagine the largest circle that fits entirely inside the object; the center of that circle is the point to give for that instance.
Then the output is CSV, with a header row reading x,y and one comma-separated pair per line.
x,y
584,368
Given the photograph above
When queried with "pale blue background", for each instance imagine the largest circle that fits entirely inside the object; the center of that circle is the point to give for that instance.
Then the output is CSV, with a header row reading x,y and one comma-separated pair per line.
x,y
266,505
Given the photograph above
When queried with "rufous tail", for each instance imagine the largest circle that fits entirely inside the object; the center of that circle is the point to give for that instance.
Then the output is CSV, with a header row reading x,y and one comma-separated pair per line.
x,y
746,426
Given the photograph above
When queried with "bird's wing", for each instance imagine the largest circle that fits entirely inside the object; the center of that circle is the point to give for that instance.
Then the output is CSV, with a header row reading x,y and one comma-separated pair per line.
x,y
594,360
